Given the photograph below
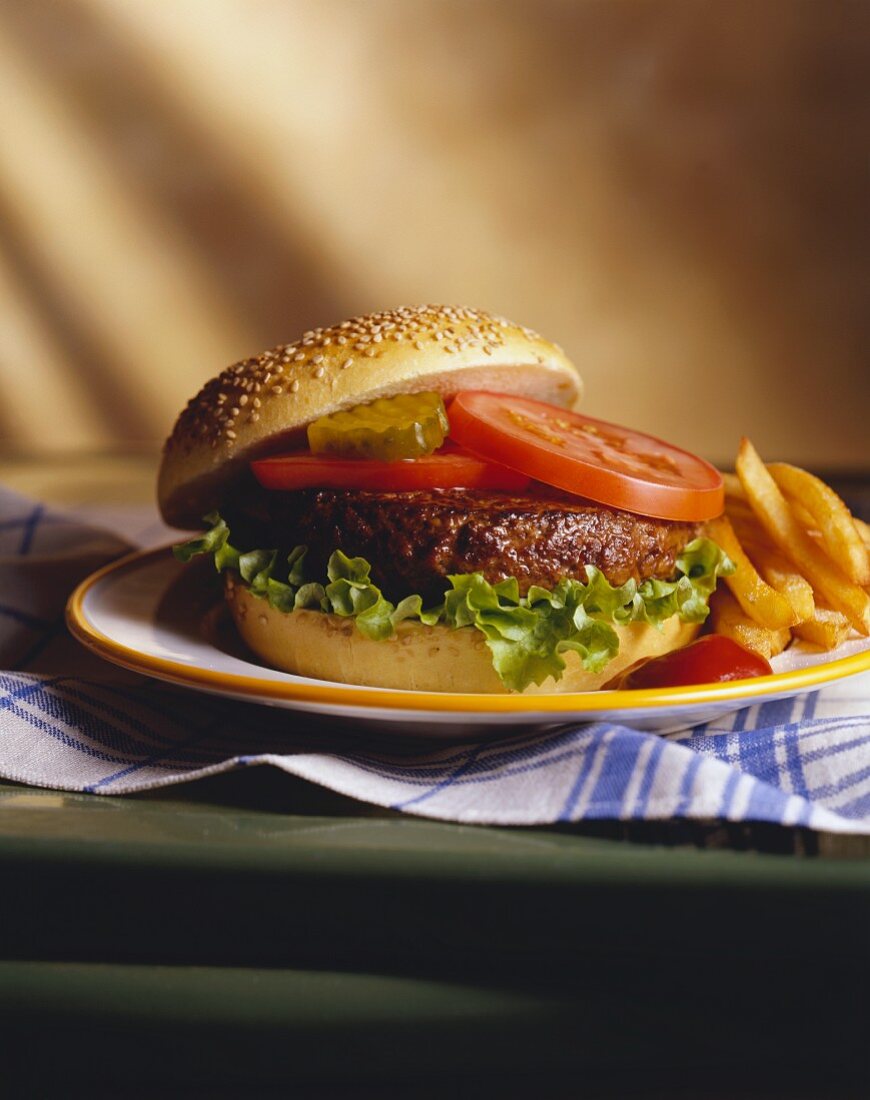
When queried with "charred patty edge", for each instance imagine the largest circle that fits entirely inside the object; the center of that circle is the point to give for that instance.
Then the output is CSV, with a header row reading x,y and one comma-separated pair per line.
x,y
415,540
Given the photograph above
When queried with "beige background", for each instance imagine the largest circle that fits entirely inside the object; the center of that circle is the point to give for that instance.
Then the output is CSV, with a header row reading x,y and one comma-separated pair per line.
x,y
675,191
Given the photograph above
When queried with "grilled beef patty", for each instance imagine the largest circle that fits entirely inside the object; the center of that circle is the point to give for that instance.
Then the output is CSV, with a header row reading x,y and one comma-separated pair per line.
x,y
414,540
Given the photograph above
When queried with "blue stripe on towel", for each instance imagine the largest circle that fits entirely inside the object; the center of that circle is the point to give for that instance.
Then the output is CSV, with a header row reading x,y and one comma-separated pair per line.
x,y
686,786
24,618
616,772
643,794
30,525
590,758
443,785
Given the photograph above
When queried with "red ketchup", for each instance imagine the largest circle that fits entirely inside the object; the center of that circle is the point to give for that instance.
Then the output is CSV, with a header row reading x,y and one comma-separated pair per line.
x,y
713,658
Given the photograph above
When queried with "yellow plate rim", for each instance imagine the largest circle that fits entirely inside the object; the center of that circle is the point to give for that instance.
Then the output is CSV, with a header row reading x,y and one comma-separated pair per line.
x,y
350,695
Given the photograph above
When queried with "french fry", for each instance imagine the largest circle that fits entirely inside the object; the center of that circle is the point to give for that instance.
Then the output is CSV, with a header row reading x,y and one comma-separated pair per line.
x,y
863,530
779,521
802,515
733,488
740,511
745,523
780,574
826,628
728,618
770,563
759,600
829,516
749,530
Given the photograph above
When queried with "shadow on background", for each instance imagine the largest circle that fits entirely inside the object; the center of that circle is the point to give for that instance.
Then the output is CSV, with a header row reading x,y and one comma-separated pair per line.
x,y
263,268
675,193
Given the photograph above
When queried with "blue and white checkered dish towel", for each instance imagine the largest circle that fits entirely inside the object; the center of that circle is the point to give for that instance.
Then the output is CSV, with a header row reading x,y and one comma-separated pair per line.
x,y
70,721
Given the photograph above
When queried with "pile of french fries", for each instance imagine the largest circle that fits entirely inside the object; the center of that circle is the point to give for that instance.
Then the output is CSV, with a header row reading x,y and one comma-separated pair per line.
x,y
803,560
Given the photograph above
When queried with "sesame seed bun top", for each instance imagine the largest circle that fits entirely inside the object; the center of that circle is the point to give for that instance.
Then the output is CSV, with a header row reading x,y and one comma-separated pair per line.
x,y
262,405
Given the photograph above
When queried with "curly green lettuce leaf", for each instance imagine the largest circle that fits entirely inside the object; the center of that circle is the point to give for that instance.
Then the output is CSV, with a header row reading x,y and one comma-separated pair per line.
x,y
214,541
526,635
351,594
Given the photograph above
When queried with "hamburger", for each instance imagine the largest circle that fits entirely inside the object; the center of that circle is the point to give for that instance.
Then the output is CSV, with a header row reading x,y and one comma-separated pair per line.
x,y
409,499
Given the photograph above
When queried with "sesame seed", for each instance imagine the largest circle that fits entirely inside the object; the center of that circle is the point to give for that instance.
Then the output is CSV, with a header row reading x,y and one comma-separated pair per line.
x,y
210,417
256,402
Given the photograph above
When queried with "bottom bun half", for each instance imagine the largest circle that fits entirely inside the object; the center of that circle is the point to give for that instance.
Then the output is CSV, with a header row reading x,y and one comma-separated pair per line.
x,y
418,657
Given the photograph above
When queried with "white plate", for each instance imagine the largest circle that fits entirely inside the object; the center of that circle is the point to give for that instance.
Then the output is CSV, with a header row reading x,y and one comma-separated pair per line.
x,y
150,614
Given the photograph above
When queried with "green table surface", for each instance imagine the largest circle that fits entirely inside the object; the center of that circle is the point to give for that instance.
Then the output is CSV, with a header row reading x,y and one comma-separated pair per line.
x,y
249,931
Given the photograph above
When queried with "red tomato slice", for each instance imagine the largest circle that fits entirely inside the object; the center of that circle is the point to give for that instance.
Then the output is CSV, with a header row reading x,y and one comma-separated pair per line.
x,y
596,460
711,659
453,470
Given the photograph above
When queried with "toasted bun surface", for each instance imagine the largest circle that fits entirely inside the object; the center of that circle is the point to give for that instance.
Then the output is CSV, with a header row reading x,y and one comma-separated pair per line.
x,y
263,404
417,657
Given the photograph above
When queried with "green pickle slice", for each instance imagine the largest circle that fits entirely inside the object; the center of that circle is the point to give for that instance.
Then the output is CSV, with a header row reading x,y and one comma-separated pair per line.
x,y
409,425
